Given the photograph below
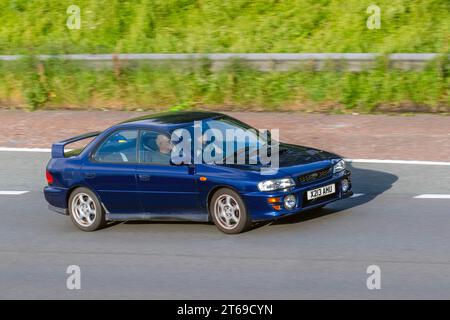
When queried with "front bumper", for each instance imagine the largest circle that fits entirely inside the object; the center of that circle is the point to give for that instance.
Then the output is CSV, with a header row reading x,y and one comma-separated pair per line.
x,y
260,209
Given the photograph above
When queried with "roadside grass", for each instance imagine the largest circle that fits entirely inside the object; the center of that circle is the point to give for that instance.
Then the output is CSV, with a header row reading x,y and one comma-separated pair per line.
x,y
186,26
57,84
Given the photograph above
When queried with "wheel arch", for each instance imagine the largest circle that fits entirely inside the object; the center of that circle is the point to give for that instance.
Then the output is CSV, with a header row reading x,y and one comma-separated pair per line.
x,y
74,187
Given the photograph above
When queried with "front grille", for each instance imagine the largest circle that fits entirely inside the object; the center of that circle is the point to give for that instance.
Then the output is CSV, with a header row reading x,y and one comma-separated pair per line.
x,y
314,176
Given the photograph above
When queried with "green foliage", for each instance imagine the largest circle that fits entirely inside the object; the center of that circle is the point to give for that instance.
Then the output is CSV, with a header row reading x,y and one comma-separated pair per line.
x,y
39,26
68,84
208,26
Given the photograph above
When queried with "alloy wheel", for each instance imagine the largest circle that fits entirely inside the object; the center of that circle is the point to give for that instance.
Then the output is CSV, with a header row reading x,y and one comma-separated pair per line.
x,y
84,210
227,211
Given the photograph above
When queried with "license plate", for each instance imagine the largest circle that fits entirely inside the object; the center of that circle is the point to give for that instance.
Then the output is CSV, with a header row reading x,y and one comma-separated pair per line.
x,y
321,192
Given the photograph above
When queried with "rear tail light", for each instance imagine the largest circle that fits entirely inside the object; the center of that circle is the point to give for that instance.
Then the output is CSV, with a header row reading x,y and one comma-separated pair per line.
x,y
49,177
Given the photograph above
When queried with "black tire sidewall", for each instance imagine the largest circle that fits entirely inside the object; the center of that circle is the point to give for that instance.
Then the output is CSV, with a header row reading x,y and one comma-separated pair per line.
x,y
99,221
244,221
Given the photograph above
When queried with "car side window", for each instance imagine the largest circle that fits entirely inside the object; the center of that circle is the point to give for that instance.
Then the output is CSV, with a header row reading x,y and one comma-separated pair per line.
x,y
119,147
154,148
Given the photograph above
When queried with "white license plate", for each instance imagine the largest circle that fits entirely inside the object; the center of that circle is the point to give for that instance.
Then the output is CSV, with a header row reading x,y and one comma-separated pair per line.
x,y
321,192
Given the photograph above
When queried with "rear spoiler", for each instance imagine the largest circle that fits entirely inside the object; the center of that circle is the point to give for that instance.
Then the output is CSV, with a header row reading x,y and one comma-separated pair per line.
x,y
58,148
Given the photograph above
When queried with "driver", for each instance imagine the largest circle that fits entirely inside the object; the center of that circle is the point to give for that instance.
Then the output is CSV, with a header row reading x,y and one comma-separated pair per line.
x,y
165,148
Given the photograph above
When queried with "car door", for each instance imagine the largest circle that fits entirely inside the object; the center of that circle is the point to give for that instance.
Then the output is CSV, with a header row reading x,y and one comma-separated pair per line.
x,y
111,172
164,189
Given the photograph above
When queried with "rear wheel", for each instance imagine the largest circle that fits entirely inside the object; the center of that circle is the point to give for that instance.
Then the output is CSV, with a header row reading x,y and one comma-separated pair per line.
x,y
85,210
228,212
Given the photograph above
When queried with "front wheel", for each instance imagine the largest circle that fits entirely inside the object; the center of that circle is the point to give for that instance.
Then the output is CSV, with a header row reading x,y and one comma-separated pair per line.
x,y
228,212
85,210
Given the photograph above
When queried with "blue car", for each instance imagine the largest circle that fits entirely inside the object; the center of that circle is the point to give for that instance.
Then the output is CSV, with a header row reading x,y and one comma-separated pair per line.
x,y
128,172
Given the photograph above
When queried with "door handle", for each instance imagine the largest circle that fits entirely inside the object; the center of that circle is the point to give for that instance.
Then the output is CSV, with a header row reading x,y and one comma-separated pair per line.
x,y
89,175
144,177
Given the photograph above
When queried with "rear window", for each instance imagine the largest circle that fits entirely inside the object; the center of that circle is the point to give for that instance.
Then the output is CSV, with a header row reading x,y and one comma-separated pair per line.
x,y
75,148
119,147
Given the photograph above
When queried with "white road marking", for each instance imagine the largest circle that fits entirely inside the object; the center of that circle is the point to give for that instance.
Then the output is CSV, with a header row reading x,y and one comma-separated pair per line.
x,y
25,149
426,163
416,162
433,196
12,193
355,195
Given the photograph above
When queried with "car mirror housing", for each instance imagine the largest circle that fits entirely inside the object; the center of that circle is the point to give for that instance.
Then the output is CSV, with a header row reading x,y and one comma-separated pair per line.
x,y
182,163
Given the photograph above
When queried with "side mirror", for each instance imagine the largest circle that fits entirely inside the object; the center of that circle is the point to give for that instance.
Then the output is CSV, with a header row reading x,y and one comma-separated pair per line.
x,y
176,164
267,134
181,164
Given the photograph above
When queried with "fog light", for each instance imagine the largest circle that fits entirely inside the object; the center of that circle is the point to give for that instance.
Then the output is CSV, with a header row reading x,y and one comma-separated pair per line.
x,y
289,201
345,185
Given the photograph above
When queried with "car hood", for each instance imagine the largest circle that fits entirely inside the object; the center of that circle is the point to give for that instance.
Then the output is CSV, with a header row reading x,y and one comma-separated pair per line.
x,y
293,155
295,159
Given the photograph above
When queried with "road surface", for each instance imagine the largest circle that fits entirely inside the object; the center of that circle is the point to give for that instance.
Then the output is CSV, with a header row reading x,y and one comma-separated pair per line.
x,y
322,254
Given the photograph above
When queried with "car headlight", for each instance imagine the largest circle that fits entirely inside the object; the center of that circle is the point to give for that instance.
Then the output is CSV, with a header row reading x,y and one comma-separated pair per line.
x,y
276,184
339,166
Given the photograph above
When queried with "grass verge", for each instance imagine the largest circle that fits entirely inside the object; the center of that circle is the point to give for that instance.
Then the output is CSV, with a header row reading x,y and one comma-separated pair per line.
x,y
67,84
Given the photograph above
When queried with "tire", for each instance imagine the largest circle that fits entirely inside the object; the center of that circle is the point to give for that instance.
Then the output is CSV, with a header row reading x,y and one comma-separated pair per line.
x,y
85,210
228,212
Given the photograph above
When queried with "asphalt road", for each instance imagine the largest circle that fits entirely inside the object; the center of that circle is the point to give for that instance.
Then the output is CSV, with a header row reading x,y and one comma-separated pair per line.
x,y
322,254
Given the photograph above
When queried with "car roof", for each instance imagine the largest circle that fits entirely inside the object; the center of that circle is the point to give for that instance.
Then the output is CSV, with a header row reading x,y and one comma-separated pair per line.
x,y
173,119
177,117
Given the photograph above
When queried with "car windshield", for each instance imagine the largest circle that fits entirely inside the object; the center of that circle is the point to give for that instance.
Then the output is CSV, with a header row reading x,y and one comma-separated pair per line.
x,y
230,136
242,132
